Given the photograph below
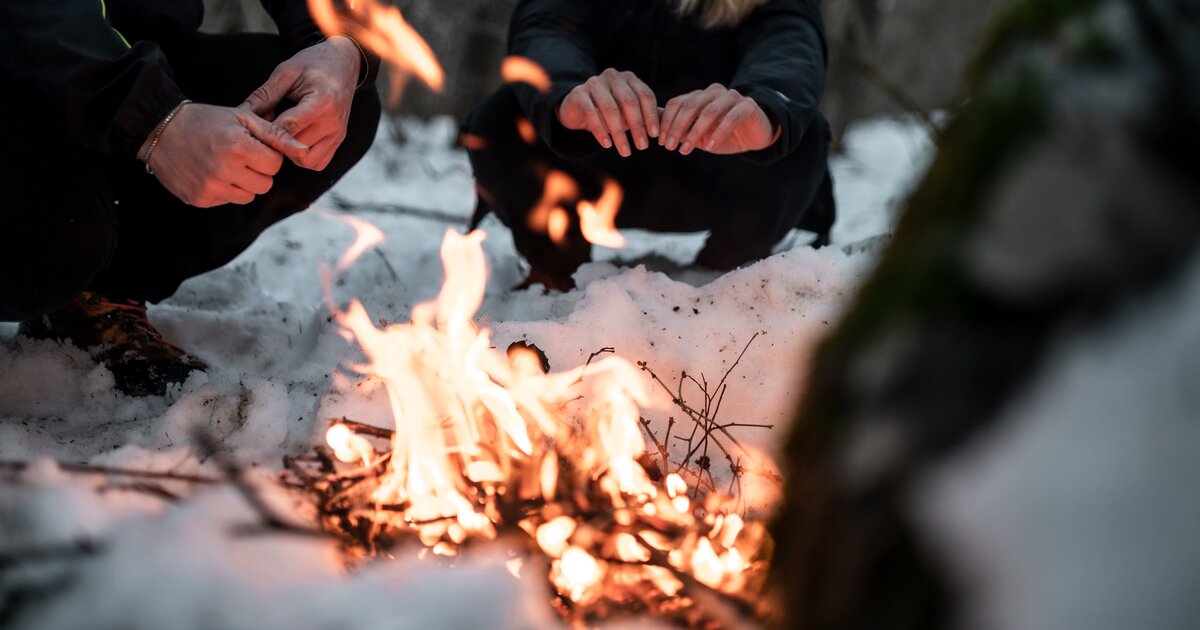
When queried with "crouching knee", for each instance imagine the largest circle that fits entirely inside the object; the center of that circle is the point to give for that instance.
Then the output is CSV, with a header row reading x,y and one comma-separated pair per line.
x,y
49,266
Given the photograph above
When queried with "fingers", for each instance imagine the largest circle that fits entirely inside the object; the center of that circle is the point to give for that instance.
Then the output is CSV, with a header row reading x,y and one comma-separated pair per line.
x,y
610,104
262,159
323,136
685,112
219,194
689,110
610,113
635,100
732,120
273,136
236,195
264,99
670,112
649,104
708,117
249,180
578,112
322,152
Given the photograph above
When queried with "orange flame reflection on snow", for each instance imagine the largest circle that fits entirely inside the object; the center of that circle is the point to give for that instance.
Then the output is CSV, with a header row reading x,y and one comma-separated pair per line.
x,y
381,29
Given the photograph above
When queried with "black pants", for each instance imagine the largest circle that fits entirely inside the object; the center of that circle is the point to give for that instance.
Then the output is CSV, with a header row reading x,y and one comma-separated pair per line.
x,y
747,207
72,221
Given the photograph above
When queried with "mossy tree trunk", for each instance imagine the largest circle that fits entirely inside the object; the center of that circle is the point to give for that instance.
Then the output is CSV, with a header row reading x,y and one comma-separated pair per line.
x,y
1066,187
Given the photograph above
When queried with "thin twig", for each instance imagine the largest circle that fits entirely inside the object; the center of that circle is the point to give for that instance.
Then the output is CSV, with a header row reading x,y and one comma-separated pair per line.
x,y
90,469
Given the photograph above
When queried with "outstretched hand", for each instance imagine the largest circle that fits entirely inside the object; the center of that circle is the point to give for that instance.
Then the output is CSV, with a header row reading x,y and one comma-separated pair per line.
x,y
717,120
321,80
210,156
610,104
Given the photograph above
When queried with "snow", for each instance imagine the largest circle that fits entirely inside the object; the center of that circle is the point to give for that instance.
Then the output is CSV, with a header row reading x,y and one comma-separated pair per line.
x,y
262,326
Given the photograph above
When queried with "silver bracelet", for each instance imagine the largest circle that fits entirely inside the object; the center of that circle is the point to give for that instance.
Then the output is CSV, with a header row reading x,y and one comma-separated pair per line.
x,y
145,158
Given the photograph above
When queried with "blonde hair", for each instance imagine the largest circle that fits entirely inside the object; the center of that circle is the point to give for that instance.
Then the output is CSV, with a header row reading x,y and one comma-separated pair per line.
x,y
717,13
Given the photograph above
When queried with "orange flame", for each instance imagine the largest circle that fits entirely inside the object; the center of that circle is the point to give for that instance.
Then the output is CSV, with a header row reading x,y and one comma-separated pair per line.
x,y
560,189
598,221
382,29
521,70
526,130
366,236
464,414
473,424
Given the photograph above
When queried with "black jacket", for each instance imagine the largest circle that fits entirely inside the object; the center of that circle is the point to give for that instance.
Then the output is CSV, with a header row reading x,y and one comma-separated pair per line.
x,y
776,55
94,63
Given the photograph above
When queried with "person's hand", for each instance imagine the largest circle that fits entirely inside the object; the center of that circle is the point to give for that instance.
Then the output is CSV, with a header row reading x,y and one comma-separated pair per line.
x,y
609,104
716,119
321,79
210,156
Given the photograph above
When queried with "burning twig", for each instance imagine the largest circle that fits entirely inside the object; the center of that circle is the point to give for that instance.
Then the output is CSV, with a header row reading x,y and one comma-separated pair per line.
x,y
488,446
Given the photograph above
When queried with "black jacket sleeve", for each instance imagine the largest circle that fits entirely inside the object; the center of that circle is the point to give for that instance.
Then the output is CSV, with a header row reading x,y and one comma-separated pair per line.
x,y
782,67
298,31
64,53
294,23
556,35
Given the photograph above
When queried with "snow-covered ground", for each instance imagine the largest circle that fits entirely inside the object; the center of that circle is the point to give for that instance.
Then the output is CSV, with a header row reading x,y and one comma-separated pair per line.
x,y
179,558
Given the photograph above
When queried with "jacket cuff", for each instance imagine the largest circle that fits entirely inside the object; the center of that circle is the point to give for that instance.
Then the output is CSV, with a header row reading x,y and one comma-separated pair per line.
x,y
776,106
568,144
141,112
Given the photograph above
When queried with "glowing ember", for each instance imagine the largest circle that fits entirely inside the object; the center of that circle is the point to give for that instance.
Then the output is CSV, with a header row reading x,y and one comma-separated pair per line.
x,y
576,572
349,447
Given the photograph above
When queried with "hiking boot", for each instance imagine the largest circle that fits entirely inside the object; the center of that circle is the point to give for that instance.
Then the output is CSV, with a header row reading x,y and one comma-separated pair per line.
x,y
118,334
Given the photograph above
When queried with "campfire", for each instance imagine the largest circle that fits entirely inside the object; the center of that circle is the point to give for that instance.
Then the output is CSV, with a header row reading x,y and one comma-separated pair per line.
x,y
487,445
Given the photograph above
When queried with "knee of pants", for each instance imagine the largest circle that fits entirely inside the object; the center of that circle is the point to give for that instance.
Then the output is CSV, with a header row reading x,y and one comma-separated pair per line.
x,y
360,128
495,119
508,170
57,230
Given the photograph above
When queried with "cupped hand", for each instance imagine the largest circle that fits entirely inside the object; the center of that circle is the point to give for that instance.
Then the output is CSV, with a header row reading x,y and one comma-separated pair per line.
x,y
716,119
321,79
609,104
210,156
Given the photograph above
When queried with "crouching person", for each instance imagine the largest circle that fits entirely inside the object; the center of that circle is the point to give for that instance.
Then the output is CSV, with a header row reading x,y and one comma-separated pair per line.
x,y
703,111
139,152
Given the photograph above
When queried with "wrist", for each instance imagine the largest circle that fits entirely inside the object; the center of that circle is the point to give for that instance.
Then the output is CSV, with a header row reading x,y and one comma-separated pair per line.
x,y
146,151
352,50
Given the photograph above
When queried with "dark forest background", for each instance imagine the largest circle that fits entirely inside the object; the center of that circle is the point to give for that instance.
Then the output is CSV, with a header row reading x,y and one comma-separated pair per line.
x,y
886,57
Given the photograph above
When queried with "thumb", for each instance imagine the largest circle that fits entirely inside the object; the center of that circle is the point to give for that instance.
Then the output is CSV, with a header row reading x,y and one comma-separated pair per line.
x,y
263,100
273,136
